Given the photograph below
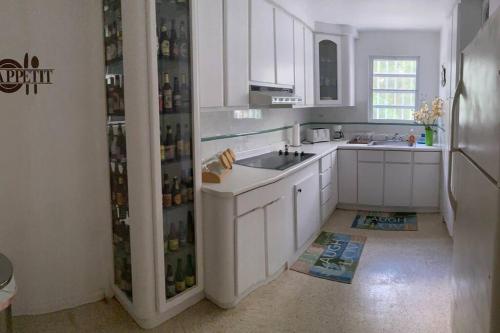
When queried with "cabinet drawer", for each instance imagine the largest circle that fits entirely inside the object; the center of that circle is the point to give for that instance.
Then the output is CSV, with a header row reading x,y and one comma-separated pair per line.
x,y
370,156
326,194
398,156
325,163
325,178
258,198
433,157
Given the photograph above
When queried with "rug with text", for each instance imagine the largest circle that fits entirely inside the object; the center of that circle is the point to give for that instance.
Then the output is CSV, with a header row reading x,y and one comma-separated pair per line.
x,y
385,221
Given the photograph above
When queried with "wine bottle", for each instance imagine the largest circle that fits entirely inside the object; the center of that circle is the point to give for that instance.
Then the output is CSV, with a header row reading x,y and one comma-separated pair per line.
x,y
180,283
120,193
169,145
176,194
183,42
185,98
164,40
176,96
190,227
167,193
182,233
170,282
184,194
190,276
173,239
179,145
187,142
189,185
174,49
167,94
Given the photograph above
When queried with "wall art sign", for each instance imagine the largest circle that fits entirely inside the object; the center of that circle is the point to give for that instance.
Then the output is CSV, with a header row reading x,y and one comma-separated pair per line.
x,y
13,75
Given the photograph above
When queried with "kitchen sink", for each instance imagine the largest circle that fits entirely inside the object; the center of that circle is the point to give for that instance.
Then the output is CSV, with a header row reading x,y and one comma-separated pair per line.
x,y
389,143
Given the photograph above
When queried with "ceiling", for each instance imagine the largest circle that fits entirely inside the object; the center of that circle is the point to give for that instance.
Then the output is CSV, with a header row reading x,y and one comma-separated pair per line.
x,y
373,14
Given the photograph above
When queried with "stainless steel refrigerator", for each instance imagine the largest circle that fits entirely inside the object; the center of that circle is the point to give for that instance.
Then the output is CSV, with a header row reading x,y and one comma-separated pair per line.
x,y
475,185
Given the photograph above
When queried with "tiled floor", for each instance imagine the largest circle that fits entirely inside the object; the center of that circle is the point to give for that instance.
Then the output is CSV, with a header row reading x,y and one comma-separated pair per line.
x,y
401,285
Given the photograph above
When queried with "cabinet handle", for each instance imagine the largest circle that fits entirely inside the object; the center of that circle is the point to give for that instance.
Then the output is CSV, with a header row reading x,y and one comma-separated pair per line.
x,y
299,190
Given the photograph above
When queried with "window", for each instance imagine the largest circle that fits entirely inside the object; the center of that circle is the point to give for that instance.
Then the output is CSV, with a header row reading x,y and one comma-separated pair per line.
x,y
393,89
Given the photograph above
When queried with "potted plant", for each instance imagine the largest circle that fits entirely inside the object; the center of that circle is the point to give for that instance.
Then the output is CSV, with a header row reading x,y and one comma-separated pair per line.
x,y
428,116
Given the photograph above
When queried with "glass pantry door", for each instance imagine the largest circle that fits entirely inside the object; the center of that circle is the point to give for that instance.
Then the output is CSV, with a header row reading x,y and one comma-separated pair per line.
x,y
175,110
117,146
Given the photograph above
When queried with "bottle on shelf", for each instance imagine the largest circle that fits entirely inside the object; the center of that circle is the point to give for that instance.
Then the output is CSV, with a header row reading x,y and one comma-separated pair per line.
x,y
170,281
120,189
184,91
179,143
180,282
187,142
184,194
190,275
189,186
164,40
167,193
110,87
182,233
121,142
167,94
190,227
169,145
174,47
176,194
183,42
173,239
176,100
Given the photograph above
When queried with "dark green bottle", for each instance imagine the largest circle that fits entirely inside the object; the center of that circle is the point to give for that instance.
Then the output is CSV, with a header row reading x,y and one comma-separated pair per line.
x,y
180,283
190,279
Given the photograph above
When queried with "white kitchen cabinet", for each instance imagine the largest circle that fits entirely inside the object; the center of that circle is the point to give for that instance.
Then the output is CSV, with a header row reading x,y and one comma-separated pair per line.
x,y
283,34
307,209
348,71
348,176
211,48
397,184
309,66
370,183
426,185
299,60
328,71
250,250
335,181
236,46
275,236
262,51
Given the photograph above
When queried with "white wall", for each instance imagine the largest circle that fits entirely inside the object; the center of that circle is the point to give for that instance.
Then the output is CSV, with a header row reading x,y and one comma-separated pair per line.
x,y
54,216
494,5
424,44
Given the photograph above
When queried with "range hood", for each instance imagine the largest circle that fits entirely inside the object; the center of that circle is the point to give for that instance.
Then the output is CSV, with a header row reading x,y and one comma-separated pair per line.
x,y
273,97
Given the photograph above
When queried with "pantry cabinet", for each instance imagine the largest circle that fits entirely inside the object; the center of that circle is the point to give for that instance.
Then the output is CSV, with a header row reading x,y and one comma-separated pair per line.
x,y
150,64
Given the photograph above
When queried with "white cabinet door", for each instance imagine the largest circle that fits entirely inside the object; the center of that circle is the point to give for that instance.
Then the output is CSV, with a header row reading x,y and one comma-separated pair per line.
x,y
348,176
335,181
426,185
283,33
210,45
262,67
276,236
250,250
299,51
328,69
309,66
397,185
236,51
307,209
370,183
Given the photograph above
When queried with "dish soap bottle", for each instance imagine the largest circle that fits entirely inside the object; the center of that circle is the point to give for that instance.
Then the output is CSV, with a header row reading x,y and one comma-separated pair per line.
x,y
411,138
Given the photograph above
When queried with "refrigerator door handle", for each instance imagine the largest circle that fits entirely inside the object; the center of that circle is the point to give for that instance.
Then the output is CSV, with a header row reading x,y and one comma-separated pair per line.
x,y
453,148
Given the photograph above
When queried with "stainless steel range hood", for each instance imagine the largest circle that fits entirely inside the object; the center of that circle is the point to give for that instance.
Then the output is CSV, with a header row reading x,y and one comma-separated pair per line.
x,y
273,97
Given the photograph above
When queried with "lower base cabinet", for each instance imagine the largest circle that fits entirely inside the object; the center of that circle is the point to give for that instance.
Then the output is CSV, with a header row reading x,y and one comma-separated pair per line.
x,y
425,191
370,183
275,236
250,249
307,209
397,185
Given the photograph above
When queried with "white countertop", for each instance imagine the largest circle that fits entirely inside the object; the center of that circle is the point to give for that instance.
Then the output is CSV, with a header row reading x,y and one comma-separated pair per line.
x,y
242,179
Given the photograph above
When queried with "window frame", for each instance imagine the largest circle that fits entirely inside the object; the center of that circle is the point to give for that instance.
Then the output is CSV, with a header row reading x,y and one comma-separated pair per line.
x,y
370,87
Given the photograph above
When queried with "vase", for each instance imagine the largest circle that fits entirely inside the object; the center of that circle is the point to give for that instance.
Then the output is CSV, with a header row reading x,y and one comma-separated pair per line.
x,y
429,136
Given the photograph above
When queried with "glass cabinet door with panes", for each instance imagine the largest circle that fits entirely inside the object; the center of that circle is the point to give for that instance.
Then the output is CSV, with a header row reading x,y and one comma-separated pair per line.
x,y
328,53
152,132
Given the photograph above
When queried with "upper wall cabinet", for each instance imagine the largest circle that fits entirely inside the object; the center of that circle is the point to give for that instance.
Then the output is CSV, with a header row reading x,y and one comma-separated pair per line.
x,y
262,55
283,24
334,64
309,66
223,49
299,59
328,69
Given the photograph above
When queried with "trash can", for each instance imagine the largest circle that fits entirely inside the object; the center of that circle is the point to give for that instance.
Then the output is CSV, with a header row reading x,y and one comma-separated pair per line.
x,y
7,292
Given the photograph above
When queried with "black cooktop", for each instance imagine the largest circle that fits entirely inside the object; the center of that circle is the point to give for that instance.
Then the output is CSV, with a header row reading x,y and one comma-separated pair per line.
x,y
275,160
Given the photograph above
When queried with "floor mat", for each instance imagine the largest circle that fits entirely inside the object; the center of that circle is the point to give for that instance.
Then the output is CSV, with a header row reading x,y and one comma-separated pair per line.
x,y
385,221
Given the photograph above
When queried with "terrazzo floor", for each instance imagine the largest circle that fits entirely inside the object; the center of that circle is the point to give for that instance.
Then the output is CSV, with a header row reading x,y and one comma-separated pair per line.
x,y
402,284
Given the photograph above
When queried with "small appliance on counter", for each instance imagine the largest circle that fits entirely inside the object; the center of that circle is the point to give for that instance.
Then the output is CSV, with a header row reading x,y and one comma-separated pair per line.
x,y
315,135
338,134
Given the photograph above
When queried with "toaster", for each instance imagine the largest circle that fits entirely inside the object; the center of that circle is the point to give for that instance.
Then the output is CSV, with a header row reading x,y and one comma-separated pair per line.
x,y
314,135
